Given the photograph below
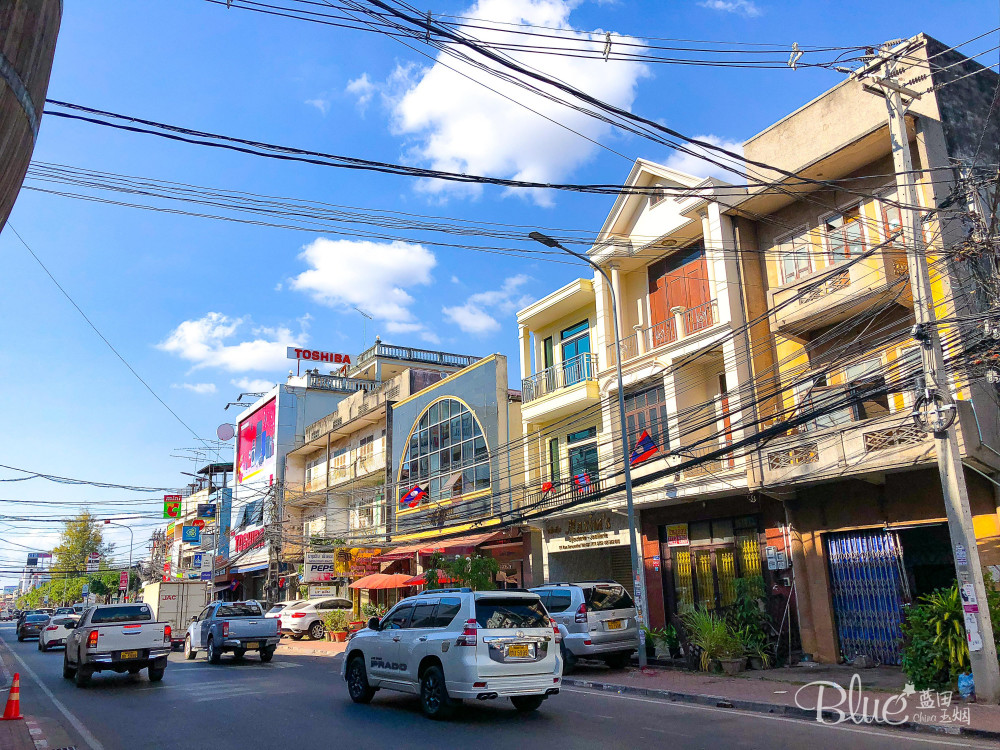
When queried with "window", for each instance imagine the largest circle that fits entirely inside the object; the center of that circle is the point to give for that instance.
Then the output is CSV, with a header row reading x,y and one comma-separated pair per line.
x,y
815,395
892,220
647,411
446,611
423,615
366,447
398,618
204,614
866,382
584,467
239,609
845,235
124,613
603,597
547,353
558,601
315,468
657,196
575,342
554,460
521,612
335,604
794,255
447,456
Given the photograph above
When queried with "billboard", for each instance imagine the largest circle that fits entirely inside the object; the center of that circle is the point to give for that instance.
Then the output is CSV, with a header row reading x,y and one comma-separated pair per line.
x,y
255,447
34,557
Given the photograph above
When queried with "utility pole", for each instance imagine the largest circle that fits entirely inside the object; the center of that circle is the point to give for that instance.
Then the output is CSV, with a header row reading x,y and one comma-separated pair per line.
x,y
935,410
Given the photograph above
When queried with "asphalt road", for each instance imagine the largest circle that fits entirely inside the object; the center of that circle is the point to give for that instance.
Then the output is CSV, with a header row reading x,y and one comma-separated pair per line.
x,y
301,702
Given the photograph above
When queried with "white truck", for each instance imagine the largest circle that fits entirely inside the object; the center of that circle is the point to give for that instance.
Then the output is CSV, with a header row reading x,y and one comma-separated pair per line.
x,y
118,638
176,602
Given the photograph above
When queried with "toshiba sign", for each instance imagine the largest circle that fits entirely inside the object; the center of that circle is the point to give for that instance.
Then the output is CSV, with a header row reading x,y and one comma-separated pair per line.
x,y
248,539
314,355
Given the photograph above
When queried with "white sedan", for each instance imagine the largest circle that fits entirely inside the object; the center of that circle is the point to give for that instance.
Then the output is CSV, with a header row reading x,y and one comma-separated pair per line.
x,y
54,632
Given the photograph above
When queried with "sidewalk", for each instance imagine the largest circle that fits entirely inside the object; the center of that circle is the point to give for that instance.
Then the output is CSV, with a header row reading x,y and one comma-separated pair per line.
x,y
14,735
787,691
308,648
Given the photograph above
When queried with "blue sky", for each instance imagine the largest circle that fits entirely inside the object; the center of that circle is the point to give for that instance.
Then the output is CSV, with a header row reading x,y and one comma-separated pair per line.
x,y
203,309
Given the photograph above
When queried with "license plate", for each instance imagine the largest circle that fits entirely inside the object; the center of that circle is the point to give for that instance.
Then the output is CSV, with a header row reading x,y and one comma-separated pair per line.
x,y
253,644
519,651
614,624
130,654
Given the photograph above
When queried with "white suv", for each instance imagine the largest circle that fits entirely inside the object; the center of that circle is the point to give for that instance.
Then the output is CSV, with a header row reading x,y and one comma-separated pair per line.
x,y
450,644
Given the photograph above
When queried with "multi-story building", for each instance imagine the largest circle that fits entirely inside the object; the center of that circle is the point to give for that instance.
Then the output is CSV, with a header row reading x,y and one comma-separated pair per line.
x,y
825,265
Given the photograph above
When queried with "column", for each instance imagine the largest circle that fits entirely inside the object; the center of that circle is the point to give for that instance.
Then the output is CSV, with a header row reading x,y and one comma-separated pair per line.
x,y
524,339
616,289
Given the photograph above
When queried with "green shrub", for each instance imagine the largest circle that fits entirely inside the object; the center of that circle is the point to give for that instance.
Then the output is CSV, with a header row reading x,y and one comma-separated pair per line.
x,y
713,636
336,620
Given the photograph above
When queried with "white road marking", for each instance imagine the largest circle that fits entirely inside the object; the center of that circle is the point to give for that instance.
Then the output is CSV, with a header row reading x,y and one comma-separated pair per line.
x,y
70,717
884,734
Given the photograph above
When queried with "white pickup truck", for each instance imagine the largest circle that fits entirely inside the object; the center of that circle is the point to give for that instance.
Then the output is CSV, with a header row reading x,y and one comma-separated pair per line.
x,y
118,638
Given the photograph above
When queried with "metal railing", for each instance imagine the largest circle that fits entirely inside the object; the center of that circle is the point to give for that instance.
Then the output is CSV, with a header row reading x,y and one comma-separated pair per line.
x,y
562,492
706,468
409,354
341,383
666,331
576,370
699,318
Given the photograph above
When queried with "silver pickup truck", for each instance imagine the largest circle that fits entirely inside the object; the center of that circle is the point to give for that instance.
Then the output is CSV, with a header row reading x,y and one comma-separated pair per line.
x,y
118,638
231,626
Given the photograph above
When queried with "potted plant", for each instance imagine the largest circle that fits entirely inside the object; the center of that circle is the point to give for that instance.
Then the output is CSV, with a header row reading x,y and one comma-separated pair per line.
x,y
335,621
710,635
732,651
671,641
650,641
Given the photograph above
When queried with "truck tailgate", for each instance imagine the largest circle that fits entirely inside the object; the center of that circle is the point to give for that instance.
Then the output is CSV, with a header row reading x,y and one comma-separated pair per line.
x,y
128,636
253,627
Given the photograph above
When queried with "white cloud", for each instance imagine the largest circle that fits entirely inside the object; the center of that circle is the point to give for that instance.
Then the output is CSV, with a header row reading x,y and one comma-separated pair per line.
x,y
693,165
745,8
455,279
323,105
456,124
362,89
477,314
201,388
252,385
208,342
371,275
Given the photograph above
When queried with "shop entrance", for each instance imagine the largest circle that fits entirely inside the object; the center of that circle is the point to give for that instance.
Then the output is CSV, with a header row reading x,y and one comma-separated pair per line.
x,y
702,573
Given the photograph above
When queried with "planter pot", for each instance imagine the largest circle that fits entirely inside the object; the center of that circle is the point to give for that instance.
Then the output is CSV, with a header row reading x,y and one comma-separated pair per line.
x,y
756,663
340,636
732,667
650,650
329,636
675,652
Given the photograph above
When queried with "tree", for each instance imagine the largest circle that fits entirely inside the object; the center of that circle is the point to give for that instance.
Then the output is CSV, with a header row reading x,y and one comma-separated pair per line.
x,y
475,572
82,537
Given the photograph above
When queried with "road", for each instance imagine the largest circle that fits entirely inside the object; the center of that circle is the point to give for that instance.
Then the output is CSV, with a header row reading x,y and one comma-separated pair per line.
x,y
300,701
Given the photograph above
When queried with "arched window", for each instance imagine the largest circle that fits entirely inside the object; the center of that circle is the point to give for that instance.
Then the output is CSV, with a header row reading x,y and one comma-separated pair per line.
x,y
447,454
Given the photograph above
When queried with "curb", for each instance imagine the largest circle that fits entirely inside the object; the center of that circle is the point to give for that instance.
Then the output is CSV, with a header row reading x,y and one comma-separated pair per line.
x,y
775,709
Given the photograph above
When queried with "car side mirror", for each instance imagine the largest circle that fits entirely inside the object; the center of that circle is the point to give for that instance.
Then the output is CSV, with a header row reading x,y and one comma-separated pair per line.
x,y
373,623
194,618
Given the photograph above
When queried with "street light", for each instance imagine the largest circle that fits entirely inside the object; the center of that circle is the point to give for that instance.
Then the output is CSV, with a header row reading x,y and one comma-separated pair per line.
x,y
130,544
637,572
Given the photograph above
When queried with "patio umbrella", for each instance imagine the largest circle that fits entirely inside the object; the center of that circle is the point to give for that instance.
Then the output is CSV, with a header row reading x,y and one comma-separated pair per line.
x,y
368,582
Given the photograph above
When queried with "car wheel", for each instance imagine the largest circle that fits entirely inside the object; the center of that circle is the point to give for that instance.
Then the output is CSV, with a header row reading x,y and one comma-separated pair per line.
x,y
619,660
357,681
155,673
266,654
525,703
68,672
82,676
569,660
238,653
434,698
20,637
41,647
214,655
189,653
316,631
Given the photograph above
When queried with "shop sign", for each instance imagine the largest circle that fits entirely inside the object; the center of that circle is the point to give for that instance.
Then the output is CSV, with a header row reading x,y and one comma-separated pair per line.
x,y
322,566
363,562
603,529
249,538
316,591
677,535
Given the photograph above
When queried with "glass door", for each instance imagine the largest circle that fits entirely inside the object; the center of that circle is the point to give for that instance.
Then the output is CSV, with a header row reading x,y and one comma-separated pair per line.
x,y
575,346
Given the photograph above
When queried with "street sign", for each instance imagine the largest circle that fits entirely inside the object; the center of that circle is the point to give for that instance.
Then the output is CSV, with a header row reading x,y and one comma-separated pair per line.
x,y
93,562
191,534
123,581
85,590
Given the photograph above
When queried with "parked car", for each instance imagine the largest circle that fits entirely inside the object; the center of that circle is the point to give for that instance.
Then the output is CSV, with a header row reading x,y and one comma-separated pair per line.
x,y
306,618
78,608
31,625
231,626
280,607
64,611
450,644
55,631
597,620
119,638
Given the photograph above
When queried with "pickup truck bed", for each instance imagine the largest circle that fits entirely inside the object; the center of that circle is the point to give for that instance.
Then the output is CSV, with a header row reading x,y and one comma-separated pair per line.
x,y
118,638
237,627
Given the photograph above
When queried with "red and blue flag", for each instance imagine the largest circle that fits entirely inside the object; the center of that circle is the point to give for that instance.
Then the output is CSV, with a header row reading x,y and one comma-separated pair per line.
x,y
644,449
582,481
412,498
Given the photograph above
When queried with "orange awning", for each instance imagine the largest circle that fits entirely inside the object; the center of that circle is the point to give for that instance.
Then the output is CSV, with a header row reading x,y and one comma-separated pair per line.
x,y
456,546
367,582
382,581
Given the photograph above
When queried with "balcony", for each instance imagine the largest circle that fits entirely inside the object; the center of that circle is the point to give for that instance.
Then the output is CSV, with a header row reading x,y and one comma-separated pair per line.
x,y
367,516
829,296
340,383
685,322
560,389
408,354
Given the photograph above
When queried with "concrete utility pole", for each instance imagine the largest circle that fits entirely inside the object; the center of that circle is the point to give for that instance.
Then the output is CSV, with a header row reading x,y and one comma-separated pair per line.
x,y
935,410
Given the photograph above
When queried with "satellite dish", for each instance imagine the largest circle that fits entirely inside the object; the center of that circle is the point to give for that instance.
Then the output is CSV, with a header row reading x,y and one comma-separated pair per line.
x,y
225,431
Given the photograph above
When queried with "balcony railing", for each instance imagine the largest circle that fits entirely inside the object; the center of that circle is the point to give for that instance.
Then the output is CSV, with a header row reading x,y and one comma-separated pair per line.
x,y
367,515
409,354
576,370
706,468
562,492
340,383
681,324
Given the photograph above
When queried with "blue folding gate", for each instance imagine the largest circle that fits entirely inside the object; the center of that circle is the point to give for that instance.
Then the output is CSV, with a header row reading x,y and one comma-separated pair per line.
x,y
869,586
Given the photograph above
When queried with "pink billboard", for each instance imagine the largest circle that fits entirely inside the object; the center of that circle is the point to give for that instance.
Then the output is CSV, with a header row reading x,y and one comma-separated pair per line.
x,y
255,444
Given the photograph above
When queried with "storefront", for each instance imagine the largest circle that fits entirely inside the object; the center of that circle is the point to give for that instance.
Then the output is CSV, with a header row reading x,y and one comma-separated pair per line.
x,y
589,547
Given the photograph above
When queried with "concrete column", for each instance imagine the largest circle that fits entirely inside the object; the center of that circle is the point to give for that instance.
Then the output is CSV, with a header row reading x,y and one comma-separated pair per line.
x,y
640,340
616,289
803,599
678,313
524,339
602,310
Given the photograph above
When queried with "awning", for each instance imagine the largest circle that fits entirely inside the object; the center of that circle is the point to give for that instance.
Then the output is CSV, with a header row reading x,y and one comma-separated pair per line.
x,y
457,546
400,553
223,587
250,568
381,581
421,580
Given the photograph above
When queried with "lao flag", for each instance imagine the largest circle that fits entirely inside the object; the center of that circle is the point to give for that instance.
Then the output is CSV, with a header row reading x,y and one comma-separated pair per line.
x,y
412,498
644,450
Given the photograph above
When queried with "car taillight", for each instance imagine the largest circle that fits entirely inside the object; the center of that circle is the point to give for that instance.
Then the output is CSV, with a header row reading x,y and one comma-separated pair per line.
x,y
581,614
297,615
225,629
92,639
469,635
166,633
556,633
52,627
